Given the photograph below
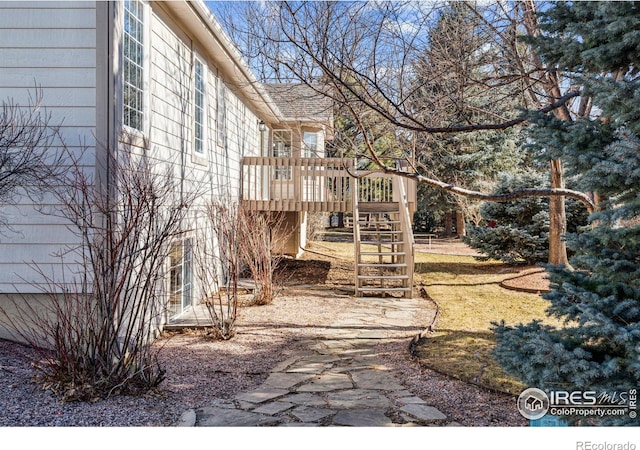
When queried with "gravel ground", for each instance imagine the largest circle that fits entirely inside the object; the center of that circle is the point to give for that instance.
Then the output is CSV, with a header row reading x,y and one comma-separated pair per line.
x,y
199,369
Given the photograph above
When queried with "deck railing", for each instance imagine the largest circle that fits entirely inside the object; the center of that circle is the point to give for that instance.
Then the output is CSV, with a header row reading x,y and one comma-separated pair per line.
x,y
376,187
297,184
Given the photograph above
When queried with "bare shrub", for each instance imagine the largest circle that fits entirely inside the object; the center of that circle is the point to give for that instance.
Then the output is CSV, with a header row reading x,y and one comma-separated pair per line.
x,y
28,156
95,328
261,247
218,263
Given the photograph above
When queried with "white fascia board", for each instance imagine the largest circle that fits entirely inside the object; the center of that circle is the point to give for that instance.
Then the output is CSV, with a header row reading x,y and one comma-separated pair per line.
x,y
201,22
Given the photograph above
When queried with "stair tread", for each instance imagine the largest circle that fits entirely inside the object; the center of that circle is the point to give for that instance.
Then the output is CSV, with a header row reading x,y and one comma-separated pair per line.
x,y
388,239
378,222
381,289
383,253
386,232
383,277
390,265
379,207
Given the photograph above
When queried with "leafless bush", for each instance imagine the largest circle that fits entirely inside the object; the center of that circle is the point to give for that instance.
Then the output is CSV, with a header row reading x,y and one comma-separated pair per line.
x,y
29,159
218,263
316,225
96,325
261,246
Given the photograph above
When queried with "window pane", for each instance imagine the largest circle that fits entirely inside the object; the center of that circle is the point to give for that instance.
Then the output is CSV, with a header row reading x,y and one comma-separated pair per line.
x,y
198,107
132,71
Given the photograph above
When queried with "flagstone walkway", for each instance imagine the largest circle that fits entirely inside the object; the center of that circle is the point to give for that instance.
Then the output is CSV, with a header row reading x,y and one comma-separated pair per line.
x,y
338,381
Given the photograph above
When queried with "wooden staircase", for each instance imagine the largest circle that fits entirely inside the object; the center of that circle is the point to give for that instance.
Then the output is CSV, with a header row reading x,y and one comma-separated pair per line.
x,y
383,242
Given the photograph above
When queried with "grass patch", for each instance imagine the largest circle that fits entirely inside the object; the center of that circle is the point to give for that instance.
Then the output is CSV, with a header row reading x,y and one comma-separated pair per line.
x,y
470,299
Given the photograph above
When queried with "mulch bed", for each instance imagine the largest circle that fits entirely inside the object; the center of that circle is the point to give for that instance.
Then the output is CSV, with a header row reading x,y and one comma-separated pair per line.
x,y
535,281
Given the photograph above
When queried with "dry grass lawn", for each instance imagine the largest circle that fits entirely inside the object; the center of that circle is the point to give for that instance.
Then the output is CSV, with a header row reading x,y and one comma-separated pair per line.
x,y
470,300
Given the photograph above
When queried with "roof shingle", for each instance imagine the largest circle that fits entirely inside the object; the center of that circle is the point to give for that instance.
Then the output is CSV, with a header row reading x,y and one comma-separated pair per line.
x,y
301,102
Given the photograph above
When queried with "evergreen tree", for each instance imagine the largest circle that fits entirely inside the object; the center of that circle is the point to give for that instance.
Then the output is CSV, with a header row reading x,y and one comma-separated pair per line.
x,y
598,348
448,91
518,232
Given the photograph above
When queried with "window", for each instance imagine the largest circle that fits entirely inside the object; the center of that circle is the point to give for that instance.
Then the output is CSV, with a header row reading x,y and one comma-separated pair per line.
x,y
282,149
133,65
222,113
180,261
310,141
199,109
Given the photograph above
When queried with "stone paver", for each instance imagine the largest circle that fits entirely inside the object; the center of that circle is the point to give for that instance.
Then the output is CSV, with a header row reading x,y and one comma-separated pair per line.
x,y
286,380
307,367
358,399
362,418
306,398
375,379
327,382
262,395
423,412
411,400
222,417
339,380
310,414
273,408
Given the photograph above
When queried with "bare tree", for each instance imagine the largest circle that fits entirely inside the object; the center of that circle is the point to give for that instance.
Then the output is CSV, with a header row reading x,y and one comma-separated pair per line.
x,y
95,325
31,150
367,53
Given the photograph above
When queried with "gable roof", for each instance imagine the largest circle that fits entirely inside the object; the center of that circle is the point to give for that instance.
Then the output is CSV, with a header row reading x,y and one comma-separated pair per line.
x,y
301,102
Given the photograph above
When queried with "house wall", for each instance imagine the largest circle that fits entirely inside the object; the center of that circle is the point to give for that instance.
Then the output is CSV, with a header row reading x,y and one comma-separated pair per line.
x,y
73,51
51,46
171,138
173,50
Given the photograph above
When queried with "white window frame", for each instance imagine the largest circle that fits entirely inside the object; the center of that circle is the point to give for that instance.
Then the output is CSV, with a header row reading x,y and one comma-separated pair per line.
x,y
200,156
221,119
282,172
143,127
308,150
180,282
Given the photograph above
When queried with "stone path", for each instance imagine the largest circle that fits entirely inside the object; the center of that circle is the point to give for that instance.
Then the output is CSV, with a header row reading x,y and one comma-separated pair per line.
x,y
339,380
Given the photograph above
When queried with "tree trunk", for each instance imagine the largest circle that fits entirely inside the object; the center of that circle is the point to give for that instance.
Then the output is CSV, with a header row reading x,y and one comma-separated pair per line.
x,y
448,224
557,219
460,227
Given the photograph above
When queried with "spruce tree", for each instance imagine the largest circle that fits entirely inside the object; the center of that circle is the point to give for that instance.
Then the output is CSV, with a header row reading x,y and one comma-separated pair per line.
x,y
517,232
598,347
449,88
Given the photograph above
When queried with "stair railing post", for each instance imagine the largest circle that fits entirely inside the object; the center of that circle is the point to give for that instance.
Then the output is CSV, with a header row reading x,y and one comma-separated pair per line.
x,y
356,232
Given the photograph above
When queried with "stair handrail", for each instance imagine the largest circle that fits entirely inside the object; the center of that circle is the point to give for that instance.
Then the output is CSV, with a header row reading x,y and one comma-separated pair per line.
x,y
405,221
355,193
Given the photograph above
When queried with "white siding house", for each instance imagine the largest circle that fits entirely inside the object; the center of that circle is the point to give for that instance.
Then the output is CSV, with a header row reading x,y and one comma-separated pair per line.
x,y
158,74
53,46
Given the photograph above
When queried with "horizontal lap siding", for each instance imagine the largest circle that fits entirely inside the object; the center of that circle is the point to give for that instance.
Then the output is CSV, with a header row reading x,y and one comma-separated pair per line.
x,y
51,45
172,110
170,84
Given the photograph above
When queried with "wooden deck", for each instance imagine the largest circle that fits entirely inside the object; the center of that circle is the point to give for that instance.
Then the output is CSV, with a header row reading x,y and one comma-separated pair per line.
x,y
297,184
315,185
